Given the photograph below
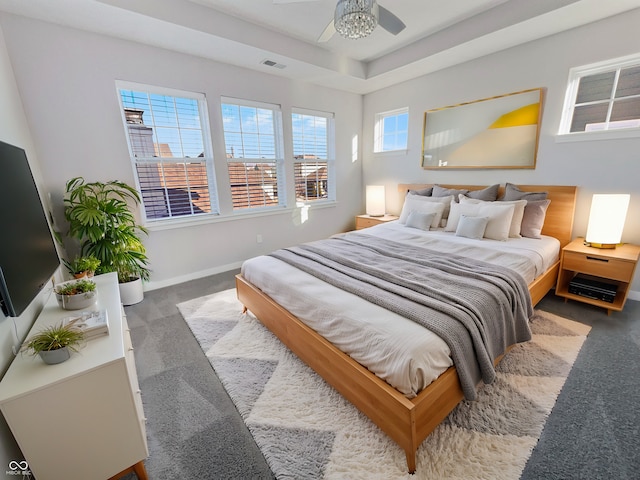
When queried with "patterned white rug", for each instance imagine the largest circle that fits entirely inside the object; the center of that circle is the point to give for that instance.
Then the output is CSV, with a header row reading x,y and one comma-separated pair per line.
x,y
305,429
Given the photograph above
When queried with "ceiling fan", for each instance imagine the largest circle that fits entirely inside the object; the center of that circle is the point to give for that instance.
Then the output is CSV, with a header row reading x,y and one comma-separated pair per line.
x,y
385,18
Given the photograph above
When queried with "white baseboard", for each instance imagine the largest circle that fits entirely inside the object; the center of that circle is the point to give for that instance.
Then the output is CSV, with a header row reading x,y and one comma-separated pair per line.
x,y
191,276
633,295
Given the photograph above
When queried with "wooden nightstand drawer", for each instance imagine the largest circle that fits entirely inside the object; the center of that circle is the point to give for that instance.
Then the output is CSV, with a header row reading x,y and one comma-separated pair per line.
x,y
365,221
599,266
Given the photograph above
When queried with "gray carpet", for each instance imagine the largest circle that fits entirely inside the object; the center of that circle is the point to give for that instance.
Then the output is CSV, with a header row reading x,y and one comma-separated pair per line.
x,y
195,431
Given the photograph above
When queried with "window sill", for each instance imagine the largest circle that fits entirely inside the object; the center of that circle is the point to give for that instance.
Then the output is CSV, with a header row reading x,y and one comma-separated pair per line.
x,y
171,224
602,135
403,151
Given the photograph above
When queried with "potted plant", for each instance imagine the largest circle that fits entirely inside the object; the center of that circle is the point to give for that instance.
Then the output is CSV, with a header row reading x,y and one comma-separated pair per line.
x,y
82,266
100,217
54,344
76,294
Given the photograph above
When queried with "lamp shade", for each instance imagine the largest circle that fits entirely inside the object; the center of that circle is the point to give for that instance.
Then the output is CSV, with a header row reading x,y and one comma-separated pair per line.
x,y
606,219
375,201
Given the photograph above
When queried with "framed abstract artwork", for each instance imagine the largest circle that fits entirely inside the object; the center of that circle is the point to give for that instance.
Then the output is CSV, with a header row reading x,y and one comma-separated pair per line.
x,y
496,132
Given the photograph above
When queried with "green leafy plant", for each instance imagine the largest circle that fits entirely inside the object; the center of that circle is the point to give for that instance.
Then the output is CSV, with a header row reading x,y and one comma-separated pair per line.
x,y
55,337
75,288
82,264
100,217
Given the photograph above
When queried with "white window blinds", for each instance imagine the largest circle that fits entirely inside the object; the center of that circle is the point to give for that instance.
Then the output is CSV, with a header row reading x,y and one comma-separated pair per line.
x,y
253,145
170,149
313,154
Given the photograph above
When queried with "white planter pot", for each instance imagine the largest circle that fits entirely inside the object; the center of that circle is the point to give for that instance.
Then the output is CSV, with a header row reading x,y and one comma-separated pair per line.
x,y
78,301
131,292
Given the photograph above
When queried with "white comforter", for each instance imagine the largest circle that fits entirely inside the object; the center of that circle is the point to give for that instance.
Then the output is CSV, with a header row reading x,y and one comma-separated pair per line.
x,y
405,354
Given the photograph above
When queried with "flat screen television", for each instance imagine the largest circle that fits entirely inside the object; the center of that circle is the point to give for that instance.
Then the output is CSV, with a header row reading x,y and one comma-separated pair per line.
x,y
28,257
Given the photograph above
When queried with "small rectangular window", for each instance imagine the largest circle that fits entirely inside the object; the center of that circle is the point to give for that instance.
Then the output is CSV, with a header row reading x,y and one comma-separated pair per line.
x,y
170,150
603,97
312,136
391,130
253,144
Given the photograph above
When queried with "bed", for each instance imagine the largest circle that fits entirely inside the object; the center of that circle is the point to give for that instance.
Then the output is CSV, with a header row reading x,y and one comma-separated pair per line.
x,y
407,417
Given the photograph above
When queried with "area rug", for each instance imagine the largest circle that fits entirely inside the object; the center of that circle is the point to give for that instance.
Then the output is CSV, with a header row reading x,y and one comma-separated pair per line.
x,y
307,430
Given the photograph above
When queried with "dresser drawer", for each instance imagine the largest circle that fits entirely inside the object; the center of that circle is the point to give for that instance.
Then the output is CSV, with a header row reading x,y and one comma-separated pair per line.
x,y
599,266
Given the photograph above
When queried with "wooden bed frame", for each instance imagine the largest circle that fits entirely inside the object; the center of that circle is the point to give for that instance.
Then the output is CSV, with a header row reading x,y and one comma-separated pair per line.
x,y
407,421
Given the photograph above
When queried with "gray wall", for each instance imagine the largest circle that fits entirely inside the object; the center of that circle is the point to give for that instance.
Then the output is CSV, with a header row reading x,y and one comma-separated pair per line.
x,y
603,166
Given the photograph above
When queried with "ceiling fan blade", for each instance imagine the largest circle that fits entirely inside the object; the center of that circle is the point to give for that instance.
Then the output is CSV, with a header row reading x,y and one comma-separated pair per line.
x,y
328,32
389,21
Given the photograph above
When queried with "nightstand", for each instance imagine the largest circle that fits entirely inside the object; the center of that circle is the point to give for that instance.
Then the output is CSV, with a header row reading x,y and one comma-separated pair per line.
x,y
364,221
614,266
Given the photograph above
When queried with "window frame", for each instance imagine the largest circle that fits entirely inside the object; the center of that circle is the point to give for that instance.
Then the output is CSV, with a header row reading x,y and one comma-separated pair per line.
x,y
573,83
330,160
207,159
278,160
378,133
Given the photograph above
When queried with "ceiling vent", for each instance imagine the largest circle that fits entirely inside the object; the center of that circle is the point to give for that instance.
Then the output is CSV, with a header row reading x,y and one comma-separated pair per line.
x,y
271,63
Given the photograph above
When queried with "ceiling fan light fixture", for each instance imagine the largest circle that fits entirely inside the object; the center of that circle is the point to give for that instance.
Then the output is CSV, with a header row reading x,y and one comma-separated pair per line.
x,y
356,18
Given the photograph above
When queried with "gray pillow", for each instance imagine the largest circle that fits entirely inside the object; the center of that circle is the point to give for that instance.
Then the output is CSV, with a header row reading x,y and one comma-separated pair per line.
x,y
488,194
439,191
420,220
533,218
425,192
512,192
471,227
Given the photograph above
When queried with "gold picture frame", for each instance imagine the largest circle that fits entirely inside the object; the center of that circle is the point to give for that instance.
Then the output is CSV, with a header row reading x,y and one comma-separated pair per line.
x,y
496,132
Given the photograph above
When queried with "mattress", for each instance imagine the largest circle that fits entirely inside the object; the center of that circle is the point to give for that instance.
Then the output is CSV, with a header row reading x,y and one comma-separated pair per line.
x,y
404,354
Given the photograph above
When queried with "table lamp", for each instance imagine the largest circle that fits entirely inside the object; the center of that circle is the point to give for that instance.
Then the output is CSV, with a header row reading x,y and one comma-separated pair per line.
x,y
375,201
606,220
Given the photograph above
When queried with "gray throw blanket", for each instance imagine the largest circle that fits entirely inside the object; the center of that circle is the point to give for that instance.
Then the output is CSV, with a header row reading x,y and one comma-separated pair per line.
x,y
477,308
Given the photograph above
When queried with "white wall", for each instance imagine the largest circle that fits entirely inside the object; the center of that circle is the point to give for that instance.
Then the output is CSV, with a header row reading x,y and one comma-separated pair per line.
x,y
67,82
65,79
14,129
605,166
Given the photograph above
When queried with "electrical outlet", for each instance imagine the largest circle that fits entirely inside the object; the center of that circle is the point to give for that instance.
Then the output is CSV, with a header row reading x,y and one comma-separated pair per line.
x,y
259,238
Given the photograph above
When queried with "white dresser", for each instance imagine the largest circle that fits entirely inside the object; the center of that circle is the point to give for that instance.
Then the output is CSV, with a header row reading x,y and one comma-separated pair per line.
x,y
81,419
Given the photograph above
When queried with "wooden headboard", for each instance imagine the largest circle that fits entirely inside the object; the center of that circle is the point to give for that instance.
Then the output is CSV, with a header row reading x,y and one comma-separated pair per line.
x,y
559,220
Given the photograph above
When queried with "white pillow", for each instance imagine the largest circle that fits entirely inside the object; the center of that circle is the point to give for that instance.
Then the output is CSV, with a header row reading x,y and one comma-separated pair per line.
x,y
458,209
472,227
420,220
499,222
422,204
518,213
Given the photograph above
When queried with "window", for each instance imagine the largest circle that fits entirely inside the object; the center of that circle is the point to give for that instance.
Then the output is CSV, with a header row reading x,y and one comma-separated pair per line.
x,y
168,137
391,130
313,155
603,97
253,144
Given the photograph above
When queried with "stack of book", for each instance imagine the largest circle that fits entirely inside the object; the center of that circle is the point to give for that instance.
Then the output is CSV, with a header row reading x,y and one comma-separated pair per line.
x,y
93,324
